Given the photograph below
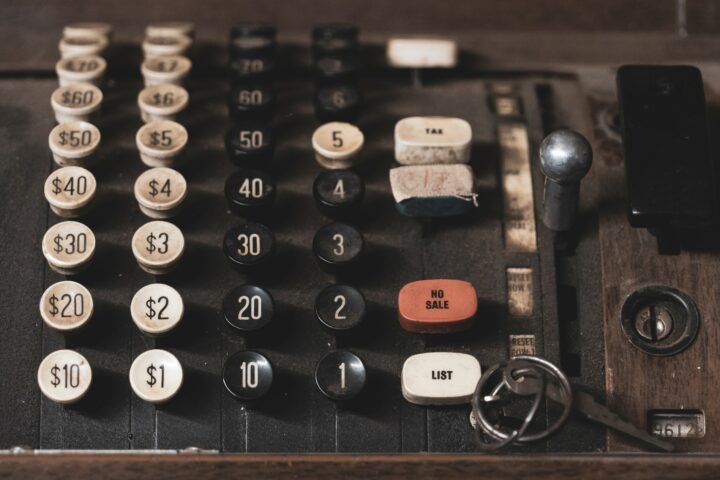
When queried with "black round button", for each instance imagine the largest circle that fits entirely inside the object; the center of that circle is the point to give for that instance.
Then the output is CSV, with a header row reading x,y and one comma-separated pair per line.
x,y
334,38
340,375
338,192
253,30
248,308
340,307
252,66
249,192
337,67
252,39
249,246
337,245
337,102
247,375
248,144
251,102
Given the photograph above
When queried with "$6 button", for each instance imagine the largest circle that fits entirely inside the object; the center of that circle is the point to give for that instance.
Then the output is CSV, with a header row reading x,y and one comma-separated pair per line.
x,y
156,376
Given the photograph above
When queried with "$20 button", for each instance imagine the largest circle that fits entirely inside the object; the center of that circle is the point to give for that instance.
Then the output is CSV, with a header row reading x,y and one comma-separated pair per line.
x,y
66,306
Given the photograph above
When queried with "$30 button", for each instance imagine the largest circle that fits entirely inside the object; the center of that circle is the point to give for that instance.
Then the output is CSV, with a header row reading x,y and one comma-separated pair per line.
x,y
158,246
156,376
160,192
66,306
156,308
64,376
68,247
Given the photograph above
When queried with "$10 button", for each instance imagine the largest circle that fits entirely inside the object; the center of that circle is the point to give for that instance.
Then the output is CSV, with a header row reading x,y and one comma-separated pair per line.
x,y
158,246
156,308
156,376
64,376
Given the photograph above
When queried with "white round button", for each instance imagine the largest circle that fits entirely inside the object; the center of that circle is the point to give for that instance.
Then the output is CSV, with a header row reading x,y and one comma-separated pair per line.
x,y
156,376
156,308
68,247
81,69
160,192
82,45
66,306
64,376
162,102
76,102
167,69
158,46
158,246
69,191
160,142
170,28
337,144
72,142
84,29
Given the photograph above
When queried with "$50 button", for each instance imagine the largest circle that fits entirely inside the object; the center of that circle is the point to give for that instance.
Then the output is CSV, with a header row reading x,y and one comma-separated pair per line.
x,y
68,247
158,246
156,308
156,376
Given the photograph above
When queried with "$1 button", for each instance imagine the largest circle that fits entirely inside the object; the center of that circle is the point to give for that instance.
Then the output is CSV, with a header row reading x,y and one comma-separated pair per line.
x,y
66,306
76,102
160,192
69,191
68,247
64,376
156,376
160,142
440,378
158,246
156,308
72,142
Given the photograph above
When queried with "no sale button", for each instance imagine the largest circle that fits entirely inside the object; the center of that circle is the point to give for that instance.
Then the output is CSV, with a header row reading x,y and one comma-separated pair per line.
x,y
437,306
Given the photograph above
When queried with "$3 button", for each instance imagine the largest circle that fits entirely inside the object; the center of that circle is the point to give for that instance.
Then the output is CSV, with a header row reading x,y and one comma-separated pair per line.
x,y
156,376
64,376
158,246
156,308
68,247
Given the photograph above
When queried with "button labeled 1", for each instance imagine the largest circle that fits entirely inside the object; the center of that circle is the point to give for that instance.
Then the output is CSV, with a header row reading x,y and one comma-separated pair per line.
x,y
156,376
340,375
156,308
440,378
64,376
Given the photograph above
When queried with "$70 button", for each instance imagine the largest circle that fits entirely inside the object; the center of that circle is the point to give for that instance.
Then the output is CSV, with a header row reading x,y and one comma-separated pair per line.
x,y
156,376
156,308
158,246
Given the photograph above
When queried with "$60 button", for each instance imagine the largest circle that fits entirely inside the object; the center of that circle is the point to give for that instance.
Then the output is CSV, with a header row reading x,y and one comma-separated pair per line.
x,y
156,308
158,246
156,376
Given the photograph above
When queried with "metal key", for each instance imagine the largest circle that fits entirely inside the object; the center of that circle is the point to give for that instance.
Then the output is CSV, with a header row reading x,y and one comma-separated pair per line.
x,y
581,401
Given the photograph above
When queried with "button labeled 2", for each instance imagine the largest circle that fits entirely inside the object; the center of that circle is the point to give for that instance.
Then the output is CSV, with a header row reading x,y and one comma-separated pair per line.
x,y
440,378
437,306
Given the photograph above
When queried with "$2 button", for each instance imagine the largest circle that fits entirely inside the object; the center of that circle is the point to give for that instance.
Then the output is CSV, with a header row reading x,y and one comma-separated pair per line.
x,y
156,376
64,376
156,308
68,247
69,191
66,306
160,192
437,306
160,142
158,247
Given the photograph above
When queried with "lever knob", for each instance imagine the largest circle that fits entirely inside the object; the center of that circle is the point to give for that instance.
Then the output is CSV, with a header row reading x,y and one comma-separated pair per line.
x,y
565,158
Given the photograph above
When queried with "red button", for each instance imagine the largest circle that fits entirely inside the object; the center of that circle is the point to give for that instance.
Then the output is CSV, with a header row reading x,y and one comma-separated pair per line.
x,y
437,306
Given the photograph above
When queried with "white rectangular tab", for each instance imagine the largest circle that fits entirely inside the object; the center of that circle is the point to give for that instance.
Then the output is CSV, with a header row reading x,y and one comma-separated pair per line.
x,y
422,52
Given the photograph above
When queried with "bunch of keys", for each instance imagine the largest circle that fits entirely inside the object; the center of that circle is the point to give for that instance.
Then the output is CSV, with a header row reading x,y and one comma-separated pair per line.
x,y
539,379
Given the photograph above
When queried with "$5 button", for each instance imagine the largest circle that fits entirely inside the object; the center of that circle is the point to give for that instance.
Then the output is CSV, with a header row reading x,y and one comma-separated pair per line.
x,y
160,142
156,308
158,247
66,306
68,247
160,192
64,376
156,376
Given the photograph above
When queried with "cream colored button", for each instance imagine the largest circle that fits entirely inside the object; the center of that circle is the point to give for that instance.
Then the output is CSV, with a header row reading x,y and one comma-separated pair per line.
x,y
337,144
422,52
162,102
160,192
156,376
69,191
72,142
81,69
84,29
429,140
160,46
66,306
82,45
64,376
166,69
68,247
160,142
170,29
440,378
156,308
158,246
76,102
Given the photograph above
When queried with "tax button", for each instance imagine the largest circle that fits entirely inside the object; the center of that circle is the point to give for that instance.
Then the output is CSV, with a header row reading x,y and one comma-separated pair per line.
x,y
437,306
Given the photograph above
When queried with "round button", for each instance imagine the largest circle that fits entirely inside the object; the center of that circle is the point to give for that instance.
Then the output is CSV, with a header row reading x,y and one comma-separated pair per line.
x,y
69,191
249,246
64,376
250,145
170,28
337,67
68,247
340,375
249,46
81,69
84,29
253,67
248,308
162,102
158,246
82,45
340,307
160,142
166,45
249,192
167,69
253,30
337,246
334,38
160,192
156,308
337,103
337,144
251,102
76,102
247,375
156,376
338,192
72,142
66,306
